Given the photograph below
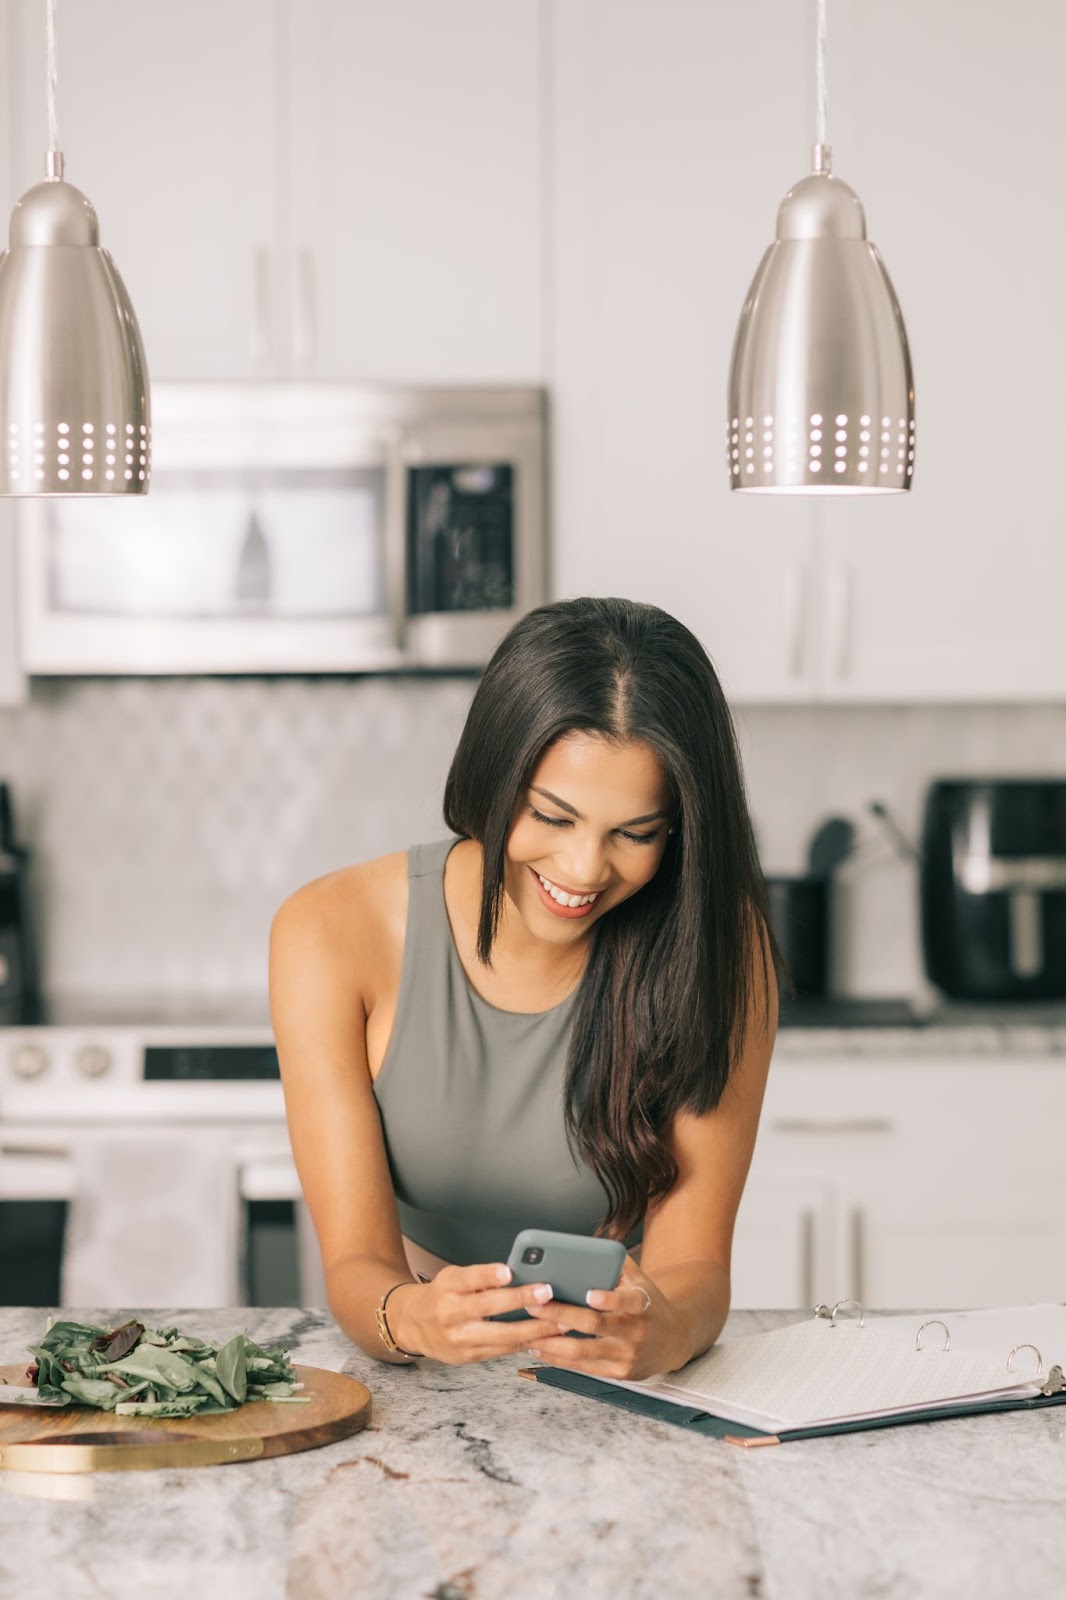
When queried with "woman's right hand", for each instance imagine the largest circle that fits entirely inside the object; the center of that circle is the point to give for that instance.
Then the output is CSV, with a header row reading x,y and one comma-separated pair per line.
x,y
445,1318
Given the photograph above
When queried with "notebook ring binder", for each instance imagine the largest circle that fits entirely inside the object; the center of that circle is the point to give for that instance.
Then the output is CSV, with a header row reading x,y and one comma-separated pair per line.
x,y
825,1311
935,1322
1036,1352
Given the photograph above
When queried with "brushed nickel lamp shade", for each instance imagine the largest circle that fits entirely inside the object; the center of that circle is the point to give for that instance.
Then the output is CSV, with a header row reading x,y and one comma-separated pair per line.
x,y
821,393
74,398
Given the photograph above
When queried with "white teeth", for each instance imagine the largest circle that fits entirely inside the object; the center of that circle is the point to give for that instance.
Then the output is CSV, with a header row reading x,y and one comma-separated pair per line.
x,y
566,899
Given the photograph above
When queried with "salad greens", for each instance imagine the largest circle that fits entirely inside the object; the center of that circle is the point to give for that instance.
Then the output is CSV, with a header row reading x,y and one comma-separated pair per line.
x,y
144,1372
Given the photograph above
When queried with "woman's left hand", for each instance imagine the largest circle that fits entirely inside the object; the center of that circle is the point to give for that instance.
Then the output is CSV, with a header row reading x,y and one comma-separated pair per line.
x,y
635,1331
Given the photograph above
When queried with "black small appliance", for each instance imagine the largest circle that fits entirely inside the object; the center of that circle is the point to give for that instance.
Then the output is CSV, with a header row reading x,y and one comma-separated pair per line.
x,y
800,912
799,917
993,888
19,995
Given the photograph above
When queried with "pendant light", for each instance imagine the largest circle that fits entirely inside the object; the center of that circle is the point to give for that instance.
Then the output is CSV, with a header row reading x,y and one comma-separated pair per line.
x,y
74,402
821,395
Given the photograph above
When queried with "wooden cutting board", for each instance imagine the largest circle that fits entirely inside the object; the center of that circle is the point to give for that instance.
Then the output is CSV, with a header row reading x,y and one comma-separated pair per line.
x,y
80,1439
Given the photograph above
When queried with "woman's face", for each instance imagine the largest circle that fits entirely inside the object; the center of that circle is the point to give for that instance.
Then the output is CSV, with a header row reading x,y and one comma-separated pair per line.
x,y
593,822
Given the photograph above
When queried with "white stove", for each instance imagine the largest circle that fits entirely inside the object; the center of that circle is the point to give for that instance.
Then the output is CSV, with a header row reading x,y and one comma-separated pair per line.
x,y
144,1073
107,1068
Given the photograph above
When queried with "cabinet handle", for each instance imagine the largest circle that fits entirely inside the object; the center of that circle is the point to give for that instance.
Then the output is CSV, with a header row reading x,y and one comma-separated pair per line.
x,y
858,1255
396,512
840,609
306,321
807,1258
795,631
832,1125
259,341
50,1152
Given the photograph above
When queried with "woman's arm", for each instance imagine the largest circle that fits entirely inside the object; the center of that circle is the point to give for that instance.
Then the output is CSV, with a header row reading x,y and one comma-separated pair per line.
x,y
318,984
323,960
688,1235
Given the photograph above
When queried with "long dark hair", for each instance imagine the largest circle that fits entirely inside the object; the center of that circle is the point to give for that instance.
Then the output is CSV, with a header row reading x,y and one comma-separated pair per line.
x,y
665,999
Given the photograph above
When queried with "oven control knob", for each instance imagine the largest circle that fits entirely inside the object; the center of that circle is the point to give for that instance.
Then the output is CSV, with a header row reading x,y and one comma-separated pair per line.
x,y
93,1060
29,1060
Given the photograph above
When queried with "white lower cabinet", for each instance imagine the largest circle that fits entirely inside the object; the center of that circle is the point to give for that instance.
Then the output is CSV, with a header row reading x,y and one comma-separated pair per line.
x,y
907,1185
783,1251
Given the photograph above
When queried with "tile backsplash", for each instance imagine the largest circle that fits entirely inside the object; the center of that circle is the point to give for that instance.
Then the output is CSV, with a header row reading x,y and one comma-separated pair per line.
x,y
169,818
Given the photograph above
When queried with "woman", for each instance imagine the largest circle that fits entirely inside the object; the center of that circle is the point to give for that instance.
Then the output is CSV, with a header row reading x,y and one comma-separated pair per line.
x,y
562,1020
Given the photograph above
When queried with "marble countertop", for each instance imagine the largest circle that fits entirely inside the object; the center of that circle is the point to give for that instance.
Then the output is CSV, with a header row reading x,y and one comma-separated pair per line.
x,y
471,1484
857,1030
1002,1041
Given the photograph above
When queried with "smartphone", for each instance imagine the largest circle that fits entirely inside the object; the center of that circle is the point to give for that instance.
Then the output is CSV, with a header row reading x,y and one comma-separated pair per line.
x,y
573,1263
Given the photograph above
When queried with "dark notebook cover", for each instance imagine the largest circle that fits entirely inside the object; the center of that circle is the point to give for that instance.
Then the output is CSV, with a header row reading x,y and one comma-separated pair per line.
x,y
649,1405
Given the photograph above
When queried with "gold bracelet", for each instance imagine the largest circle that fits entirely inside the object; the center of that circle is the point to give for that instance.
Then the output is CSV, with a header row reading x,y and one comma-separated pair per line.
x,y
383,1325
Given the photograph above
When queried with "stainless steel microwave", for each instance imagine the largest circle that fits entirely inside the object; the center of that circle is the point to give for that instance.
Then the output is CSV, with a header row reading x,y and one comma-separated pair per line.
x,y
303,528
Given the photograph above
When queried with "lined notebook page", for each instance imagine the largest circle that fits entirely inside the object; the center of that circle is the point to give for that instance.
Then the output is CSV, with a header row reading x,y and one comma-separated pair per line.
x,y
813,1372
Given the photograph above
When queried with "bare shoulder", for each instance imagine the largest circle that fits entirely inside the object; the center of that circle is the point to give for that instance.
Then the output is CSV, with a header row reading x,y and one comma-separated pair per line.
x,y
352,919
366,889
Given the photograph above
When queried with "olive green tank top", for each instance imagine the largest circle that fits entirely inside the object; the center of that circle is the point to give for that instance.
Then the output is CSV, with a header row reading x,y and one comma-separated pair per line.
x,y
471,1099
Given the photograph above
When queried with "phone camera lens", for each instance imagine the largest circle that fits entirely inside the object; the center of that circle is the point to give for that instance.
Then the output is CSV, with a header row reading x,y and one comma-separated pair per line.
x,y
533,1256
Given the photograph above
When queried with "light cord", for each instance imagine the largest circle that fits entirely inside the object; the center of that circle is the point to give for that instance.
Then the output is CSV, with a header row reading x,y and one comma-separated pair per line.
x,y
823,92
53,121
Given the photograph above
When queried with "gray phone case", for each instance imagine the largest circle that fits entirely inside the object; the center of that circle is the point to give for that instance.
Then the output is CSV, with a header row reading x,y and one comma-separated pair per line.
x,y
573,1263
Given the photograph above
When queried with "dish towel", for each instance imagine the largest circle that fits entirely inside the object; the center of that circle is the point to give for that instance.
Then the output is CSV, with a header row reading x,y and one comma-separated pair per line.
x,y
155,1220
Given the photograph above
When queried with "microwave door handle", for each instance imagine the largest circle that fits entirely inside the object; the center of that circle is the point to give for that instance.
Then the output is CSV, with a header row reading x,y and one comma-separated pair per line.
x,y
396,493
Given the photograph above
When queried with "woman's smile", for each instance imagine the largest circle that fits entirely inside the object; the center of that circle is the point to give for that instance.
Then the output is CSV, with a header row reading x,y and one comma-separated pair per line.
x,y
562,902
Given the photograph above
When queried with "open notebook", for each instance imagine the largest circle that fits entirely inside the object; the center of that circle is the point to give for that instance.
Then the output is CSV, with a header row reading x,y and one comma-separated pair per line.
x,y
824,1375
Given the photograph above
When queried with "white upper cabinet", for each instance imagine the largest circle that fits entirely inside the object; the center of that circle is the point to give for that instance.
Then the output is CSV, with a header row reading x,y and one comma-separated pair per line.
x,y
414,190
166,120
313,188
952,127
679,128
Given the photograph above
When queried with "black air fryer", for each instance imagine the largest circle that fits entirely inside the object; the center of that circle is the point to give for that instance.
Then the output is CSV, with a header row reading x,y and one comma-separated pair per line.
x,y
993,888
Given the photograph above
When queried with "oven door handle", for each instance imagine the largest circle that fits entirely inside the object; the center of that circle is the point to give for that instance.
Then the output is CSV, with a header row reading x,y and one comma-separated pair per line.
x,y
34,1168
268,1177
243,1154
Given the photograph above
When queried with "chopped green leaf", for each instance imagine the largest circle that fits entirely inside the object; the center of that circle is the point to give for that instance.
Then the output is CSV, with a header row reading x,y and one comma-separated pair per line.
x,y
139,1371
231,1365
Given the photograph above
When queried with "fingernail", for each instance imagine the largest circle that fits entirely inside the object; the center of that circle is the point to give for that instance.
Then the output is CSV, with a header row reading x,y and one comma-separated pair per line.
x,y
532,1352
594,1297
542,1292
503,1274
